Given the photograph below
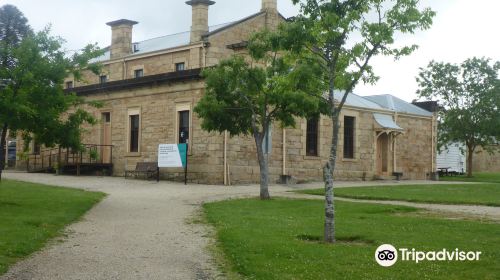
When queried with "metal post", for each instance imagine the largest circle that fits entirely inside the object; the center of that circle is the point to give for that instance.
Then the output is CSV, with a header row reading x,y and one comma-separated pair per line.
x,y
59,159
186,168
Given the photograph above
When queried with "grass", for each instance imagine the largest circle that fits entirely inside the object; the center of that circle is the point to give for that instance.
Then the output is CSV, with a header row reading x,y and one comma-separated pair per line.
x,y
31,214
476,177
470,194
278,239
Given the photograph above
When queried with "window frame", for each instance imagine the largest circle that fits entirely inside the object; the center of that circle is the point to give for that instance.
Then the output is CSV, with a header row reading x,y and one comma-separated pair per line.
x,y
136,71
180,118
314,133
349,145
179,64
179,107
134,112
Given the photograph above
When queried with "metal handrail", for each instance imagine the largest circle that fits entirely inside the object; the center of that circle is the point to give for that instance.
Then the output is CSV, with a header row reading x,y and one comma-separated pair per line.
x,y
47,158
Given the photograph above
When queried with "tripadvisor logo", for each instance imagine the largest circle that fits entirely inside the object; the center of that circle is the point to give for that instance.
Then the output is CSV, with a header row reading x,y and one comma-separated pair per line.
x,y
387,255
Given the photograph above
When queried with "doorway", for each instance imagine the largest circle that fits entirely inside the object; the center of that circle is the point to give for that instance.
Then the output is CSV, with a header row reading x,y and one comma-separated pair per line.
x,y
106,138
383,154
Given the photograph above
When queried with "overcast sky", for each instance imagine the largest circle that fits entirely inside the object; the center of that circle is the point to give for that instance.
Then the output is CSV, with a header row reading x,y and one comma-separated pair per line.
x,y
462,29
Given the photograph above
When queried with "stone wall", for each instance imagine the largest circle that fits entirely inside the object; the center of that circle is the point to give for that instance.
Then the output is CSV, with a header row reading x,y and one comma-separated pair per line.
x,y
158,106
482,161
158,109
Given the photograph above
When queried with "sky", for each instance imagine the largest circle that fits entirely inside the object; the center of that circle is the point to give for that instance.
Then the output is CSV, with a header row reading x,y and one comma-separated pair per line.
x,y
461,29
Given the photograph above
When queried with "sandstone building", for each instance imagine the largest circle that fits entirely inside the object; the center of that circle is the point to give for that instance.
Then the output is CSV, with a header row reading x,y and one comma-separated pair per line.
x,y
150,88
483,161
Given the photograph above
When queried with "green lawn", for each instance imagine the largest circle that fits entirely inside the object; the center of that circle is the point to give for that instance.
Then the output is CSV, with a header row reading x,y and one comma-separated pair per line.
x,y
31,214
477,177
269,240
474,194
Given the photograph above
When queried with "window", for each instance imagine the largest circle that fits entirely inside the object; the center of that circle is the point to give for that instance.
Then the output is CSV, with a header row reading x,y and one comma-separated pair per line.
x,y
138,73
69,84
349,137
36,147
136,47
312,137
134,133
183,127
106,117
103,79
180,66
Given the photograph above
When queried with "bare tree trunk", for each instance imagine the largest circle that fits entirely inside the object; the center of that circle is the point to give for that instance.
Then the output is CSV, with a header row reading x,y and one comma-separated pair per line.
x,y
470,153
329,182
3,146
264,175
263,166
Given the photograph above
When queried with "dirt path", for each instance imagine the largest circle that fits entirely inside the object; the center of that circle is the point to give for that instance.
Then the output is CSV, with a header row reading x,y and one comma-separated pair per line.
x,y
140,231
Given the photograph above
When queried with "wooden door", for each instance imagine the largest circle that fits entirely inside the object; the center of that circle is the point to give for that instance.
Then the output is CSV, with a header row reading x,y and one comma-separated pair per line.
x,y
382,154
106,138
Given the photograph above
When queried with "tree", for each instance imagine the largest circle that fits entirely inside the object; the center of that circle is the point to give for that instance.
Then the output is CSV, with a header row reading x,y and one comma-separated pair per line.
x,y
245,95
32,99
470,95
13,28
345,35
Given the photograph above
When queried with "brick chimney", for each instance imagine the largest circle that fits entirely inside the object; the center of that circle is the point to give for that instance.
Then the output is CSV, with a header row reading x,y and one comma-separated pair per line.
x,y
269,5
121,37
199,26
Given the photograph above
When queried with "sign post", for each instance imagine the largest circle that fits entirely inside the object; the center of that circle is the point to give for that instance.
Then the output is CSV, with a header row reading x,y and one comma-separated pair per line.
x,y
186,162
173,155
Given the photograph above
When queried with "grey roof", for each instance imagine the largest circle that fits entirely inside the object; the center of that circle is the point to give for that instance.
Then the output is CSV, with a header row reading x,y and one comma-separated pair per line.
x,y
393,103
162,43
386,122
354,100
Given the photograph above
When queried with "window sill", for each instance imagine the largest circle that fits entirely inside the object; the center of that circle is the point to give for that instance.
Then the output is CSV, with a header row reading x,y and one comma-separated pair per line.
x,y
312,157
133,154
349,160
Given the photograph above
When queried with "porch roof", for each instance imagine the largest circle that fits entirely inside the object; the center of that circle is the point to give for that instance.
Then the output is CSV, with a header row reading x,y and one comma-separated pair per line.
x,y
386,122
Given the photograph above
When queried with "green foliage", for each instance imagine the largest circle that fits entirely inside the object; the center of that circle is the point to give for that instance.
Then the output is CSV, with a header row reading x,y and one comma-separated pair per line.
x,y
470,95
471,194
345,35
93,154
31,214
13,28
244,96
279,239
32,98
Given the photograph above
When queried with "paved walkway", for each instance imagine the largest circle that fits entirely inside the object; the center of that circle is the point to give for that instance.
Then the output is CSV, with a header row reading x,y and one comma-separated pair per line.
x,y
140,231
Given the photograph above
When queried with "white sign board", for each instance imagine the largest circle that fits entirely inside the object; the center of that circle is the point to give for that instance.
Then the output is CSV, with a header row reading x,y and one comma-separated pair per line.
x,y
169,156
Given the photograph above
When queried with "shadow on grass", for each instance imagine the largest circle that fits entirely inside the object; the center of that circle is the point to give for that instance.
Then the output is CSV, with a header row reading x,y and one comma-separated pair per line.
x,y
349,240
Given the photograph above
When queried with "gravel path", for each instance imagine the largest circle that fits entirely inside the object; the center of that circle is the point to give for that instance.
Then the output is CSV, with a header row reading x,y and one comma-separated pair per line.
x,y
475,211
472,211
142,230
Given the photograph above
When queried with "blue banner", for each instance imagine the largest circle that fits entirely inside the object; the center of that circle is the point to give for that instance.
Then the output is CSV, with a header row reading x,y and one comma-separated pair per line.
x,y
183,153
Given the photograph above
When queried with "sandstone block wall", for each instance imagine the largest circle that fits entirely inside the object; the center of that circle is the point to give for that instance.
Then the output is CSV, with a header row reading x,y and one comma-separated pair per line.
x,y
482,161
